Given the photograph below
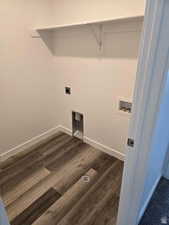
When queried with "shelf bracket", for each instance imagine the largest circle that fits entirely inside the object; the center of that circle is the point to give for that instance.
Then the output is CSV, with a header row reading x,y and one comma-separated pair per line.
x,y
35,34
97,31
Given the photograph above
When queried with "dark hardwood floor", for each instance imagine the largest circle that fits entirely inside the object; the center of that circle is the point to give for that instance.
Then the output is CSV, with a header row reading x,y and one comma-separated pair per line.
x,y
61,181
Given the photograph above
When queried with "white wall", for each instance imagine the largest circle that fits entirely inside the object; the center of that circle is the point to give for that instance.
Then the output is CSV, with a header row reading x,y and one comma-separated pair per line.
x,y
97,79
159,147
72,11
32,81
27,94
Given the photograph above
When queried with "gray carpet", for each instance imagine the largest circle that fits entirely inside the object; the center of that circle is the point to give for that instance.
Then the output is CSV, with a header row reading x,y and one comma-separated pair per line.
x,y
157,212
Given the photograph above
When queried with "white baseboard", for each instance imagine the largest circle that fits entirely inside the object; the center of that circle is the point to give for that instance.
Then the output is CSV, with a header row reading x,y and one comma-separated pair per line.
x,y
105,149
65,130
96,145
144,207
29,143
53,131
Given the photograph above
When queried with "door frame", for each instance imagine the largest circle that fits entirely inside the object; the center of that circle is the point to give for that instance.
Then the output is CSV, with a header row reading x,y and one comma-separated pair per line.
x,y
3,215
150,82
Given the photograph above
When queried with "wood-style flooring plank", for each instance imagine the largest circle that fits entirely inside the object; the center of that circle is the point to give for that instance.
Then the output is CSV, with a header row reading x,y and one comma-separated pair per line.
x,y
27,161
66,156
24,185
99,207
103,163
11,183
82,162
44,144
108,215
110,179
19,166
60,179
57,194
59,209
34,211
99,199
13,159
54,145
54,157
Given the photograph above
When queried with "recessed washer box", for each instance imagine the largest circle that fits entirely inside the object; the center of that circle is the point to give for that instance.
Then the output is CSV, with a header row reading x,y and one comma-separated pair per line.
x,y
77,125
124,106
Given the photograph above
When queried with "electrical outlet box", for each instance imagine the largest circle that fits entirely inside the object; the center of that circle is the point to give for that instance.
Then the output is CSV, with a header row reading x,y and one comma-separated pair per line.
x,y
67,90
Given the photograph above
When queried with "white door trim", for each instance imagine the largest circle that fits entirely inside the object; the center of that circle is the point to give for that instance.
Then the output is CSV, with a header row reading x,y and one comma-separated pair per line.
x,y
165,171
3,215
150,81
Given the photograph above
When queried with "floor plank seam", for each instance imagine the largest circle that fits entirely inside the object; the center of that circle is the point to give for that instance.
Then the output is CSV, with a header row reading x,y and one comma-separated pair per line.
x,y
54,181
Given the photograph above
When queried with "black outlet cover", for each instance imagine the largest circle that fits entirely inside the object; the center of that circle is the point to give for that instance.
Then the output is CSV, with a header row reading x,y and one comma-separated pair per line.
x,y
67,90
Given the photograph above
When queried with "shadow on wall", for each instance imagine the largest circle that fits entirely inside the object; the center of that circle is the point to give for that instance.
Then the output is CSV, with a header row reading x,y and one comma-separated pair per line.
x,y
47,37
119,40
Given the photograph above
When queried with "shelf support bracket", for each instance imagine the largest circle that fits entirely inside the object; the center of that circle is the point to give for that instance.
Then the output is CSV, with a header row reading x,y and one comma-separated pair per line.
x,y
35,34
97,31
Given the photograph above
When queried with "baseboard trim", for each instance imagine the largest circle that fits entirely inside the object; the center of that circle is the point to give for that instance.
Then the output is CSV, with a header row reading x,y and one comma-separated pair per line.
x,y
28,144
65,130
38,139
96,144
144,207
104,148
